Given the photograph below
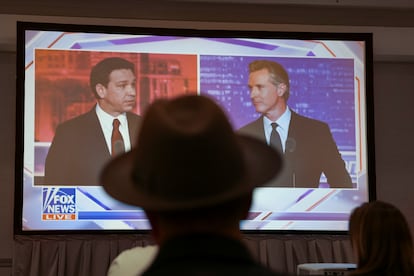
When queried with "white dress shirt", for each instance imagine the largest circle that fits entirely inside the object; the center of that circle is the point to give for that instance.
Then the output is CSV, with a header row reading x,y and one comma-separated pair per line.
x,y
106,125
282,128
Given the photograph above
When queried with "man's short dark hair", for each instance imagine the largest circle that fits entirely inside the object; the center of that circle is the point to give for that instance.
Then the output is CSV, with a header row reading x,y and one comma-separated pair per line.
x,y
101,71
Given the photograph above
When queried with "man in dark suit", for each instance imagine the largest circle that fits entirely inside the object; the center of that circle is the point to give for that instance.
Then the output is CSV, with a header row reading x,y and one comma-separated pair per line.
x,y
83,145
307,144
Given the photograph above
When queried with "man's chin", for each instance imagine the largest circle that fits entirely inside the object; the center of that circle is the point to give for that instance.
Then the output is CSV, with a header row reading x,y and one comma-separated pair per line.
x,y
259,109
129,107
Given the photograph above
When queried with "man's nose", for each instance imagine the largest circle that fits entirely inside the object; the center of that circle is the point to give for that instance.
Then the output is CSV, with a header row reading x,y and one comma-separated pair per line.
x,y
132,90
253,92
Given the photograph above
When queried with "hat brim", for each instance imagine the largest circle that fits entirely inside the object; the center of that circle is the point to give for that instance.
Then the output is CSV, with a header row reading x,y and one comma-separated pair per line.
x,y
262,164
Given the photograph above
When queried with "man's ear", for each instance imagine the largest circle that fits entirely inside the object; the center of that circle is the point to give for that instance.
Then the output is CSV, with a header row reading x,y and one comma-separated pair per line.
x,y
281,89
100,90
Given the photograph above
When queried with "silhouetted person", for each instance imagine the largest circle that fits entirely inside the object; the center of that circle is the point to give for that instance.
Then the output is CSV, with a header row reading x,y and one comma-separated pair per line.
x,y
381,240
194,177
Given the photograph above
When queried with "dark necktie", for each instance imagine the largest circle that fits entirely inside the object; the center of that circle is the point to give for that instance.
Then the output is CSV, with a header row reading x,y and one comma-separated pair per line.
x,y
275,141
117,142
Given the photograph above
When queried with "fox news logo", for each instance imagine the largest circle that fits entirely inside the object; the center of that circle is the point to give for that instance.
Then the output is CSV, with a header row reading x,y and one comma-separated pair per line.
x,y
59,204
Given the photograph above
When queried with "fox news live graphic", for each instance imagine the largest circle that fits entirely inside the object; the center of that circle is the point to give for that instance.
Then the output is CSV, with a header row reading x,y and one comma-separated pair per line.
x,y
59,204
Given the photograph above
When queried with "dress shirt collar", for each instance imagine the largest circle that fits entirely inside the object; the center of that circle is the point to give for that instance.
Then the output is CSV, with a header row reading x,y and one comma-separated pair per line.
x,y
283,121
283,127
106,121
107,118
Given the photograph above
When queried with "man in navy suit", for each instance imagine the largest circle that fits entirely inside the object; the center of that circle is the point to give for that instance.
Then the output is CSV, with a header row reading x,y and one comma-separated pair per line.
x,y
307,144
82,146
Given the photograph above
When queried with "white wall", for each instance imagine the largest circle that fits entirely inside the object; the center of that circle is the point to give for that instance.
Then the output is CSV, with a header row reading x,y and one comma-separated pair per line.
x,y
7,145
391,43
394,135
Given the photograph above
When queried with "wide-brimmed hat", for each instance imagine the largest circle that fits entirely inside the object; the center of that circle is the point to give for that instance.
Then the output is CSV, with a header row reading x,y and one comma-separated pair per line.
x,y
188,156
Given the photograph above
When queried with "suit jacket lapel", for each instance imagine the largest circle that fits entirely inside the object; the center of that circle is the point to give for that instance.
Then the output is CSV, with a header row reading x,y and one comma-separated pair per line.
x,y
96,133
133,127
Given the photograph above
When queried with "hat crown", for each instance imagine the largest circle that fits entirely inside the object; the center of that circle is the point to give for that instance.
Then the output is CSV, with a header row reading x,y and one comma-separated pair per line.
x,y
187,149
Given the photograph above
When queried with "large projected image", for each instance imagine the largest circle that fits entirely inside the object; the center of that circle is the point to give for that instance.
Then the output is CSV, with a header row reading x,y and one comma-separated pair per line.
x,y
325,177
317,87
69,147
